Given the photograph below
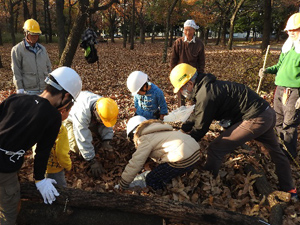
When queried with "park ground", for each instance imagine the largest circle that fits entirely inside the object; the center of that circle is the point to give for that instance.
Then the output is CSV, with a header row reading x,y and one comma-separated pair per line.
x,y
115,64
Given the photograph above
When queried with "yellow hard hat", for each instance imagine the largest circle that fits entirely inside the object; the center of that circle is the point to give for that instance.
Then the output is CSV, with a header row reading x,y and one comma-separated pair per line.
x,y
293,22
32,26
108,111
181,74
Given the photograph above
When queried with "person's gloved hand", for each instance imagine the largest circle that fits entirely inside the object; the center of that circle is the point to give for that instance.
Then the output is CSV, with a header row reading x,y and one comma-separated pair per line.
x,y
96,168
262,73
47,190
106,145
297,104
20,91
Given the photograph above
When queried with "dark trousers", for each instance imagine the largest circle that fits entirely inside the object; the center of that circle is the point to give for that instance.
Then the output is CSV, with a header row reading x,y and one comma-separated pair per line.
x,y
259,129
287,119
163,174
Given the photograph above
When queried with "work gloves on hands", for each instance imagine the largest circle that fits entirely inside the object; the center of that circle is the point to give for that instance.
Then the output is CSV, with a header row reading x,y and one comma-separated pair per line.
x,y
47,190
262,73
106,145
96,168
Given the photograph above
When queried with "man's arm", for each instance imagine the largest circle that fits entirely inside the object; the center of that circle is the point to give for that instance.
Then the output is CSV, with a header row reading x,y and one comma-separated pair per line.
x,y
16,64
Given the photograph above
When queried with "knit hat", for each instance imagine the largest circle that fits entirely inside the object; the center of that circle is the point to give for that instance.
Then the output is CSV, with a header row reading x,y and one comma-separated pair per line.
x,y
191,23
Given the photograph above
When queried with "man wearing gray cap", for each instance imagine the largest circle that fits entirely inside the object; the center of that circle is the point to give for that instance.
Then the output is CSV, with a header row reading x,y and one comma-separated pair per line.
x,y
188,49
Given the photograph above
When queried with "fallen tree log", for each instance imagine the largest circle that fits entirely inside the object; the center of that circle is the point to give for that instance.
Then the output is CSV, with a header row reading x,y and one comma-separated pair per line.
x,y
179,211
264,189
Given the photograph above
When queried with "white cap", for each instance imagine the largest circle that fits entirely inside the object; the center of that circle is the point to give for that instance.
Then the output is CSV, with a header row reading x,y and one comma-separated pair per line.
x,y
191,23
133,122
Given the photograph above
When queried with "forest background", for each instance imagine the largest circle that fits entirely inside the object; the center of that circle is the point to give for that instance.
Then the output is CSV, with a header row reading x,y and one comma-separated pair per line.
x,y
138,35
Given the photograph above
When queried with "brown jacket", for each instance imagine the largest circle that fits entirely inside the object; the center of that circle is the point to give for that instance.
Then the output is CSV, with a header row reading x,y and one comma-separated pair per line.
x,y
190,53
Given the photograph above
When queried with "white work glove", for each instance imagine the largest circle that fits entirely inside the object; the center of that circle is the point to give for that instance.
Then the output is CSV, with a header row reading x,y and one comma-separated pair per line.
x,y
262,73
117,187
20,91
47,190
297,104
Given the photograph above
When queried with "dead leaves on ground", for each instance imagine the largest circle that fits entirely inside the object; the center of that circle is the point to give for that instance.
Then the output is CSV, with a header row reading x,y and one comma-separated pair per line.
x,y
232,189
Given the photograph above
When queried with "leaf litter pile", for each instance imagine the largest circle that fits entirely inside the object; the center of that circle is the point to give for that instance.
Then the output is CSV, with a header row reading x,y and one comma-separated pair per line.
x,y
232,190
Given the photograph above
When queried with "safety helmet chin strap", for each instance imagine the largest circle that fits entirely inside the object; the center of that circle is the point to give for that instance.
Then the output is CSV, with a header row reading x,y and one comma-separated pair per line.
x,y
58,87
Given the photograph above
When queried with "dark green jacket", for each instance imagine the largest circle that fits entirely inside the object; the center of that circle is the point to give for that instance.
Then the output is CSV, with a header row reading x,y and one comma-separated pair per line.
x,y
217,100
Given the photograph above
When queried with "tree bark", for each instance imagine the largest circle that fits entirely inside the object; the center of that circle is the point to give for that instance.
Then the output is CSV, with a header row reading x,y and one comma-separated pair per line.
x,y
34,15
60,26
232,20
170,11
179,211
132,27
267,25
1,65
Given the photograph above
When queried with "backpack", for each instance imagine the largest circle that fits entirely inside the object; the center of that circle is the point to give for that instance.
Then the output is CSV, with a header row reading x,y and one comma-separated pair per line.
x,y
90,54
88,44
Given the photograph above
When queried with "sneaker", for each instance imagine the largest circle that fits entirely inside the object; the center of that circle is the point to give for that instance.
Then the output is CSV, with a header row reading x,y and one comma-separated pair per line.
x,y
294,195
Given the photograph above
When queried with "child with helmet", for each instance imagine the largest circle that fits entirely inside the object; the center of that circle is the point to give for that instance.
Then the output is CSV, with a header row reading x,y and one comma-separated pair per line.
x,y
174,151
30,62
149,100
26,120
90,114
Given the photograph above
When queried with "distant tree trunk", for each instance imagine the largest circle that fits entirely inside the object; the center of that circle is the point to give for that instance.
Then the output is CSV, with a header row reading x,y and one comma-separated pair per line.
x,y
60,26
124,26
224,30
34,15
11,20
206,32
219,34
247,35
16,20
153,34
26,14
45,21
165,53
49,21
132,28
171,36
142,33
1,65
267,25
232,20
1,40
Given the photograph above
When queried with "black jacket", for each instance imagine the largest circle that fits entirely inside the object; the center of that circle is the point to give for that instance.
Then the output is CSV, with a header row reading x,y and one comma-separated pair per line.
x,y
217,100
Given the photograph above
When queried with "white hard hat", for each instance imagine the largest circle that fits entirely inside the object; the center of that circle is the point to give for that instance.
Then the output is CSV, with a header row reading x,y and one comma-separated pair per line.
x,y
191,23
135,81
68,79
133,122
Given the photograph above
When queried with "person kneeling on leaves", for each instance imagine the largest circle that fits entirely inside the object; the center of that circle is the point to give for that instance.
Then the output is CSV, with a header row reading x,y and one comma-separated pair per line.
x,y
91,113
174,151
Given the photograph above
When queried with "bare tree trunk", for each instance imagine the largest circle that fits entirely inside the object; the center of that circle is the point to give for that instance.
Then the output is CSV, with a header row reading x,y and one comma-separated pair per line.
x,y
267,25
60,26
171,36
142,33
1,65
34,15
132,29
49,21
165,53
25,10
232,20
1,40
219,35
45,21
11,20
153,34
